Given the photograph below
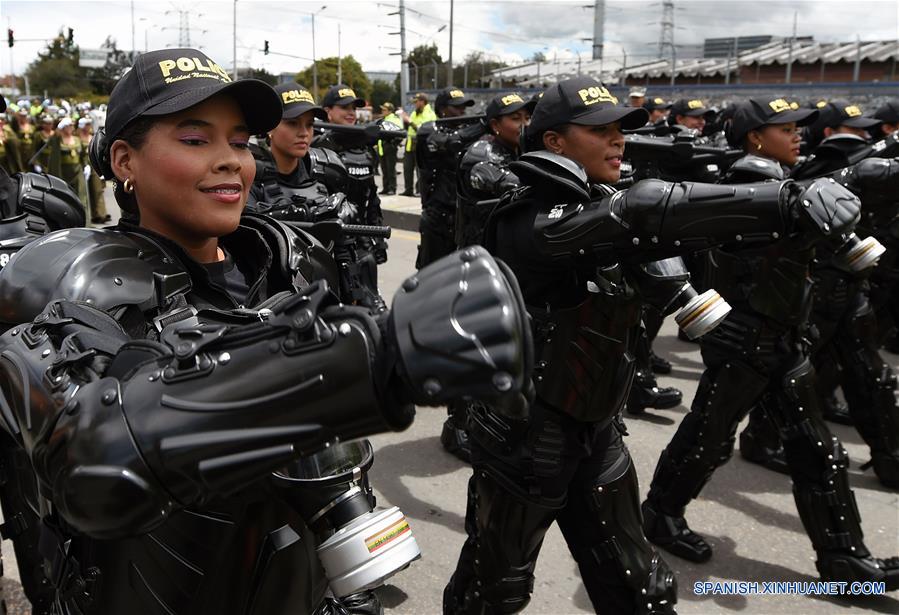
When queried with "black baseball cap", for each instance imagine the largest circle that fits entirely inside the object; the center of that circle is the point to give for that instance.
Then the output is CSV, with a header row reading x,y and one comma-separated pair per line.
x,y
582,100
888,113
172,80
840,113
297,100
656,103
757,112
690,107
452,97
504,104
341,94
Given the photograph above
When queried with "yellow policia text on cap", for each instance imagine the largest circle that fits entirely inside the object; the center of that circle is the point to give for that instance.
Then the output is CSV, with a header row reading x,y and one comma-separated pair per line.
x,y
821,104
189,68
658,101
593,95
456,94
511,99
695,104
853,111
779,105
346,92
296,96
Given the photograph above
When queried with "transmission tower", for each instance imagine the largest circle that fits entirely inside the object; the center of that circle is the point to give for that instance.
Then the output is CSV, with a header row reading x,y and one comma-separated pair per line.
x,y
184,29
666,37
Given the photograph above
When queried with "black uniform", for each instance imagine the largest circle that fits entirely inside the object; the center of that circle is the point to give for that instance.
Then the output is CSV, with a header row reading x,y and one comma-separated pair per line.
x,y
166,408
439,147
759,354
583,257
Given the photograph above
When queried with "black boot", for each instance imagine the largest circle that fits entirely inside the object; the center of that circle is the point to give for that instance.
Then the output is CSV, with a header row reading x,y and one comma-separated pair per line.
x,y
671,532
760,443
840,566
646,393
659,365
835,411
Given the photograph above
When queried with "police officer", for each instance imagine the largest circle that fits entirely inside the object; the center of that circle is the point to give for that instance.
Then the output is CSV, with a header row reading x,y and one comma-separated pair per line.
x,y
340,103
421,114
758,354
10,148
387,150
95,184
438,149
691,114
586,257
658,110
636,97
175,389
888,114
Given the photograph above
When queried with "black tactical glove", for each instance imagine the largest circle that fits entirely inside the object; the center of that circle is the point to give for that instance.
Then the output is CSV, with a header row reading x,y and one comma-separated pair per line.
x,y
823,210
460,331
379,249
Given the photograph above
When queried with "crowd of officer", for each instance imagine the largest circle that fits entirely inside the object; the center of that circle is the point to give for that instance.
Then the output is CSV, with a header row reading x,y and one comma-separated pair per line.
x,y
768,228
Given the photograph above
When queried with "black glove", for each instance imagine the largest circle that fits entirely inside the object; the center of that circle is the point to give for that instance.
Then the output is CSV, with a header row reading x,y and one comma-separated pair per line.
x,y
824,210
459,329
379,249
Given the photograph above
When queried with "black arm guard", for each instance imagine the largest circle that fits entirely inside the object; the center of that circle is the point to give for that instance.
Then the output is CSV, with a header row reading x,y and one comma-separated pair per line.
x,y
462,330
876,182
328,168
663,284
122,432
655,219
45,203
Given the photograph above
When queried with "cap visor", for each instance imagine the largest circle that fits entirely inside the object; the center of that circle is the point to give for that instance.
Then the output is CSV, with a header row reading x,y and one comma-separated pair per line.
x,y
862,122
260,104
349,100
802,117
525,104
630,117
464,102
299,109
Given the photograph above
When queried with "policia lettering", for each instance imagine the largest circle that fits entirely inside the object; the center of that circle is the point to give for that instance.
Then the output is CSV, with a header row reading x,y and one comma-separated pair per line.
x,y
190,68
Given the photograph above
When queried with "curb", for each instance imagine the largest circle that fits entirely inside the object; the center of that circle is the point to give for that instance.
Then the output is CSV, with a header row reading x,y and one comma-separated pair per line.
x,y
402,220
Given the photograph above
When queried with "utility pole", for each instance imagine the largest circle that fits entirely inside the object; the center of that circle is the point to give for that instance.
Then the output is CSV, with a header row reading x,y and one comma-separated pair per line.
x,y
449,68
339,66
12,69
789,75
599,19
234,39
858,58
133,45
404,62
314,62
666,36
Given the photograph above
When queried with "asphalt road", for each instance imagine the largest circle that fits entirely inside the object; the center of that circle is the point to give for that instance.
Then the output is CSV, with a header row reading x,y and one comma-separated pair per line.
x,y
746,512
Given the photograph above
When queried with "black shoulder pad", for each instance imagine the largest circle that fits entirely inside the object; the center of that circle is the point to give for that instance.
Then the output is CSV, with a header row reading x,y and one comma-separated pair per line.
x,y
51,199
754,169
544,169
104,268
328,168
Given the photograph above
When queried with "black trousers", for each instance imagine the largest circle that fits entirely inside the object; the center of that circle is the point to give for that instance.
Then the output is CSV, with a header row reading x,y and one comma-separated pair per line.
x,y
388,167
409,170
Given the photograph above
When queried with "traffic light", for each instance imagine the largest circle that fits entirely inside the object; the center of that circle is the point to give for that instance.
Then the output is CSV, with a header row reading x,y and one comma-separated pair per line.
x,y
264,49
10,38
71,38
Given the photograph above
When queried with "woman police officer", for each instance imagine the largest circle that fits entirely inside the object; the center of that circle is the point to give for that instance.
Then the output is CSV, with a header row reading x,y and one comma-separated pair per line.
x,y
583,254
155,393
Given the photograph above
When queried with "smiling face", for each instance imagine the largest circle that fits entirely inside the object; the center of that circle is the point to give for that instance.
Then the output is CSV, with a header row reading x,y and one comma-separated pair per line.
x,y
291,138
696,122
342,114
599,149
507,127
779,142
191,174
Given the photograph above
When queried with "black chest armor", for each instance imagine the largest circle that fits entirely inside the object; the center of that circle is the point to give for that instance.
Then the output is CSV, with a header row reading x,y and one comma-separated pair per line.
x,y
358,184
439,148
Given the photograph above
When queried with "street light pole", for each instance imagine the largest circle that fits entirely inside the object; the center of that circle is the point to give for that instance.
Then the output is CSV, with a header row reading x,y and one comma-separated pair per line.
x,y
314,57
234,39
449,68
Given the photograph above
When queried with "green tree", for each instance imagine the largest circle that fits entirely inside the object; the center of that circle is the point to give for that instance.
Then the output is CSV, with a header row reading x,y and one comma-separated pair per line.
x,y
384,91
422,70
56,69
479,67
103,79
352,75
538,56
262,75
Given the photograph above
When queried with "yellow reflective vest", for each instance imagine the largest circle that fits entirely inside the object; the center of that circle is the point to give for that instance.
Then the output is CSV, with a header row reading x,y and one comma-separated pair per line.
x,y
416,119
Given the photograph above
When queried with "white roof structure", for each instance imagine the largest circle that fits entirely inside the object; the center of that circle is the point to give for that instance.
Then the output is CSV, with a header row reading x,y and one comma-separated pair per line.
x,y
776,52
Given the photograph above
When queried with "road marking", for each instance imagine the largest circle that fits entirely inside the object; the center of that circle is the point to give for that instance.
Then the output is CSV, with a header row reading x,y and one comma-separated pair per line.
x,y
406,235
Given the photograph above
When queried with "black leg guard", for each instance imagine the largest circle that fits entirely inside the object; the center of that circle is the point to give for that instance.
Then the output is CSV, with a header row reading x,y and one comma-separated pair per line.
x,y
621,571
824,500
760,442
869,385
703,441
495,572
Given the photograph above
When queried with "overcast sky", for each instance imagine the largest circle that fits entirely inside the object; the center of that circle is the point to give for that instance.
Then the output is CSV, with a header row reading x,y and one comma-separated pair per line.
x,y
511,30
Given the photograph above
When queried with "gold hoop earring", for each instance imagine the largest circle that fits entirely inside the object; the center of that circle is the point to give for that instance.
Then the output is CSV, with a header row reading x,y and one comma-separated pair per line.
x,y
758,146
128,186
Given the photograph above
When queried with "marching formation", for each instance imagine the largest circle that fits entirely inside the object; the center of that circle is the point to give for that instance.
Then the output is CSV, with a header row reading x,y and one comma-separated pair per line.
x,y
185,396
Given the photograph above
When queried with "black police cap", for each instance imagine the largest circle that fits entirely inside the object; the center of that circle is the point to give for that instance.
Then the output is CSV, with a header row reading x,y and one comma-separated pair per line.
x,y
841,113
297,100
341,95
172,80
582,100
504,104
755,113
653,104
690,107
452,97
888,113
